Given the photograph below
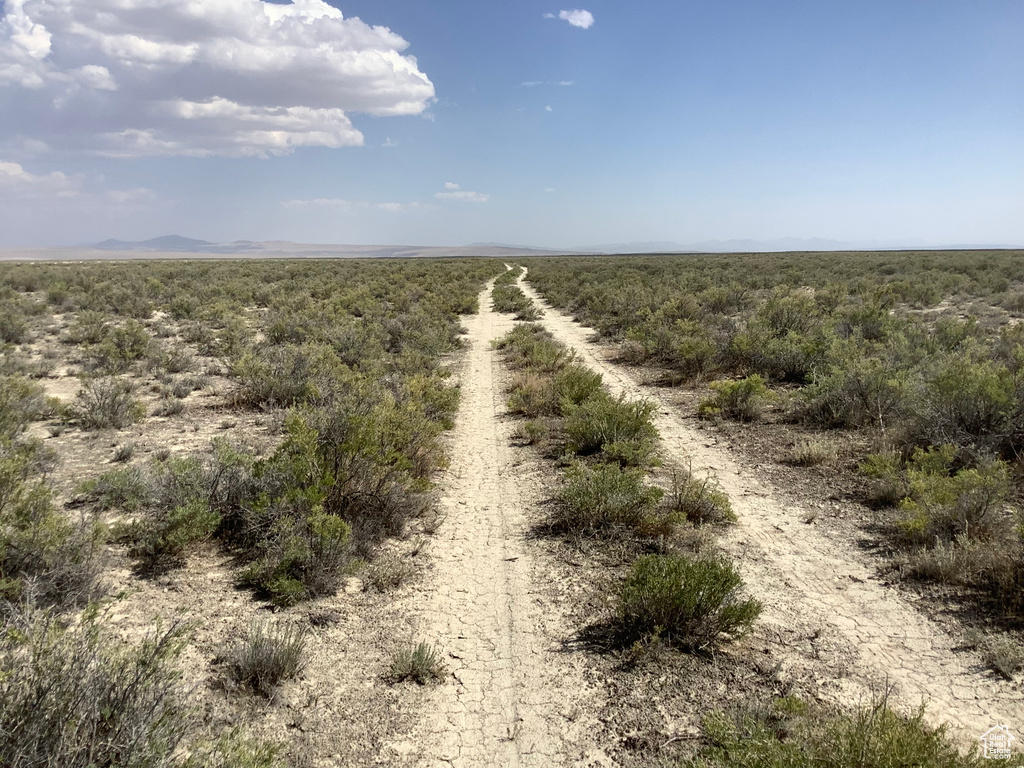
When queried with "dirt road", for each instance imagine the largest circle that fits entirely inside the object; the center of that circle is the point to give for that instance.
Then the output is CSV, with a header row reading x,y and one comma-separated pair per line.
x,y
826,587
511,697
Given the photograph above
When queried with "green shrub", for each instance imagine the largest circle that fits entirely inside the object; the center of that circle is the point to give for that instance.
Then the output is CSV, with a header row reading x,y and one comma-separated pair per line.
x,y
622,431
420,664
304,558
21,401
532,394
573,385
605,496
88,327
509,298
233,750
176,358
533,432
266,656
71,696
528,313
742,400
782,315
688,602
125,488
696,501
537,394
288,374
791,358
161,538
13,328
860,391
44,557
120,347
942,504
888,485
969,403
792,735
106,403
529,345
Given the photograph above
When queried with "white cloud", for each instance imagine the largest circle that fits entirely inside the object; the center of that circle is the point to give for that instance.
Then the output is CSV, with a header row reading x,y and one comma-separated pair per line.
x,y
356,205
454,192
226,77
578,18
548,108
21,189
534,83
16,182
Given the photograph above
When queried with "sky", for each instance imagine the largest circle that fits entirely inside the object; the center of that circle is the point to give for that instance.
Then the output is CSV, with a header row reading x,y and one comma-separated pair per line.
x,y
531,123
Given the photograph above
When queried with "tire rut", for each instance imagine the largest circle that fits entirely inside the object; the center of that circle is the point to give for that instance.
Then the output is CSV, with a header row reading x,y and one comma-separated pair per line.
x,y
511,697
806,579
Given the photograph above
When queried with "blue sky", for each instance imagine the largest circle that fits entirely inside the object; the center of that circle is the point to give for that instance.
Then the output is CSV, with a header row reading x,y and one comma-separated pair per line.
x,y
467,121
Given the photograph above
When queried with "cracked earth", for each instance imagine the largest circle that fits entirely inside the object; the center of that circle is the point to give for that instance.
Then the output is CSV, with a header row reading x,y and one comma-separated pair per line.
x,y
808,579
511,697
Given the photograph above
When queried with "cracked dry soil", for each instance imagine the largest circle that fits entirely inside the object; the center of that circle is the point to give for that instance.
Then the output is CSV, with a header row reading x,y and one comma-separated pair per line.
x,y
511,695
819,583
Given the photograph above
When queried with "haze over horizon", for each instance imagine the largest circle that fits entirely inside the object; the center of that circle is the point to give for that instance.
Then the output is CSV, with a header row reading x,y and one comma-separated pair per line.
x,y
454,123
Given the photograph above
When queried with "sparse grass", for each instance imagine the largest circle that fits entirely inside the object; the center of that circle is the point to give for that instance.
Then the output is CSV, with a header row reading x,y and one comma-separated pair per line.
x,y
421,664
266,656
810,452
1002,653
793,734
533,432
169,406
389,571
123,453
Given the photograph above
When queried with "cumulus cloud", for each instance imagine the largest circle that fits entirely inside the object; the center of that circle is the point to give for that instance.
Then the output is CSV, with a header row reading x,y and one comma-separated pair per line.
x,y
578,18
226,77
453,191
19,187
18,184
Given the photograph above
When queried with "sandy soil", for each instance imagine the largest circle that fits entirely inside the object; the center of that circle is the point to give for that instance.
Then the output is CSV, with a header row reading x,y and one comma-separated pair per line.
x,y
817,587
511,696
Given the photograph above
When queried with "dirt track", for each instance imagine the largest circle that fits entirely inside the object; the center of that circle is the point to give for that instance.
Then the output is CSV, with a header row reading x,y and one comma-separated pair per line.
x,y
823,587
510,697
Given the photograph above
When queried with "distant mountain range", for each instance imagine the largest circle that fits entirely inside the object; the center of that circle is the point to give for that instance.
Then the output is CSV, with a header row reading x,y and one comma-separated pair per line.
x,y
781,244
172,243
169,246
176,244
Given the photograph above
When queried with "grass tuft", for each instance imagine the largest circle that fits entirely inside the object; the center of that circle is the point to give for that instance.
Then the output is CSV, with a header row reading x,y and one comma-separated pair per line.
x,y
420,664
